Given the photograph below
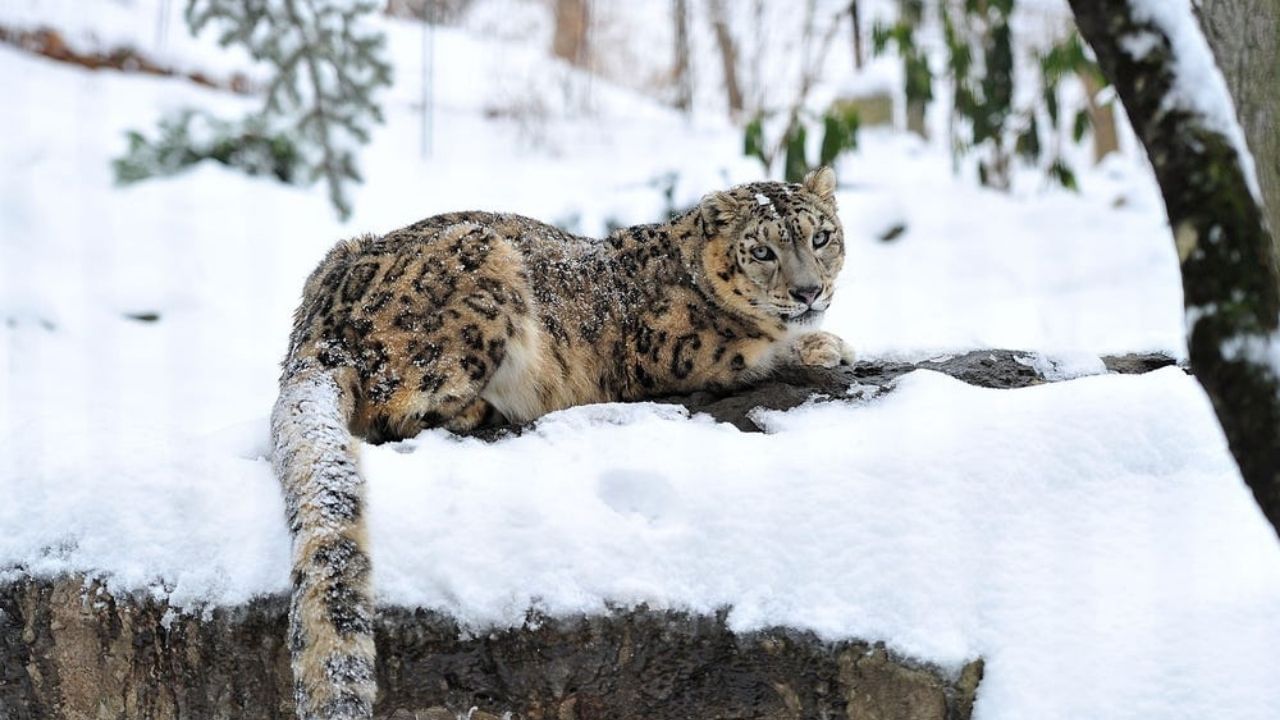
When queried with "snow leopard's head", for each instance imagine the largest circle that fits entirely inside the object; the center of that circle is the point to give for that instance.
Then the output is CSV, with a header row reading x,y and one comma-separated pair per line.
x,y
773,249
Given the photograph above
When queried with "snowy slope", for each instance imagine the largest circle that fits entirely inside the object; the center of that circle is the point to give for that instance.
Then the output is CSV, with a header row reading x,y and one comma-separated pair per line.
x,y
1091,539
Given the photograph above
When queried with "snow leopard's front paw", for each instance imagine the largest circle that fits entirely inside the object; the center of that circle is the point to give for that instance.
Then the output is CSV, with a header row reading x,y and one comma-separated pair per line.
x,y
822,349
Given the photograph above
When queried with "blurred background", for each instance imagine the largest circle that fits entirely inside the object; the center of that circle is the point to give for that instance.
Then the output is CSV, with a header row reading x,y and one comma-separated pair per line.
x,y
172,170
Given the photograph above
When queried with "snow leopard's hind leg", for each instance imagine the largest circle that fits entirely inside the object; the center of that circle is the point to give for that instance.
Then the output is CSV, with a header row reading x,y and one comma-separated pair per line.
x,y
439,345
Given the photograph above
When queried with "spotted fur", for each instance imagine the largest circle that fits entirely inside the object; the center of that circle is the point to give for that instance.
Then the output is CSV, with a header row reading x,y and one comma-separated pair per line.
x,y
472,318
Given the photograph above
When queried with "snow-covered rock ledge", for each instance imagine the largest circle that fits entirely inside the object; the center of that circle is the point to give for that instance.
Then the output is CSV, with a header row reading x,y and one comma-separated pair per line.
x,y
69,649
80,638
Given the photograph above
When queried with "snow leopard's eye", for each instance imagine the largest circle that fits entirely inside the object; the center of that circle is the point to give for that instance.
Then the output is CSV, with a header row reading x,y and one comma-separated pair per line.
x,y
821,238
762,253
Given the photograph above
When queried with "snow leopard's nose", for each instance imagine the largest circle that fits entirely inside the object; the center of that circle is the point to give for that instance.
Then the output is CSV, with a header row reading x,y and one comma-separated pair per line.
x,y
806,295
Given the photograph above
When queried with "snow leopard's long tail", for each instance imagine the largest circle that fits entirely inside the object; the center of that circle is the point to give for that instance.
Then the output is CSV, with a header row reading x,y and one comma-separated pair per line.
x,y
331,611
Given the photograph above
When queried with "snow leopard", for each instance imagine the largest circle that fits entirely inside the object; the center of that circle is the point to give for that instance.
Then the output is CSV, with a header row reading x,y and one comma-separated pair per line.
x,y
470,319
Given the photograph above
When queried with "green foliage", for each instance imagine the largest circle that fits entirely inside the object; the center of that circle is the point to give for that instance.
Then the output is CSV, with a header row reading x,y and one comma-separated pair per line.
x,y
1080,126
753,140
979,70
796,165
1028,144
980,62
918,76
839,135
1065,59
1064,175
326,68
1068,58
190,137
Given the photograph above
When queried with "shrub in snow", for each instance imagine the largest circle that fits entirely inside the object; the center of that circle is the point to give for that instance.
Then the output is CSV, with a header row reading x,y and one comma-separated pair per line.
x,y
994,119
327,67
188,137
839,135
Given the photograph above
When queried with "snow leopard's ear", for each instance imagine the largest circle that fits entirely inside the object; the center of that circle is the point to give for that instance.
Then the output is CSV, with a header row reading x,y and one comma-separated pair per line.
x,y
822,182
719,211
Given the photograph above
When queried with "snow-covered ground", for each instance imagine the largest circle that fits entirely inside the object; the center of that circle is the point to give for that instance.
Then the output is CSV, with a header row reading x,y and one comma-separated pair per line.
x,y
1092,539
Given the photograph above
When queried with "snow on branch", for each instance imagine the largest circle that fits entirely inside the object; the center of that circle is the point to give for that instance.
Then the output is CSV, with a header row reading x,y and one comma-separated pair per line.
x,y
1198,84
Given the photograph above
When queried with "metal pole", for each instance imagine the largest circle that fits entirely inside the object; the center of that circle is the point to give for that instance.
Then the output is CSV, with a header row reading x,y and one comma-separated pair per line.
x,y
428,75
162,25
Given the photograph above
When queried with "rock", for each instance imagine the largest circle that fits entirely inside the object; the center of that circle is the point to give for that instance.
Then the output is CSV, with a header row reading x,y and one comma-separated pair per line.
x,y
873,109
794,386
70,650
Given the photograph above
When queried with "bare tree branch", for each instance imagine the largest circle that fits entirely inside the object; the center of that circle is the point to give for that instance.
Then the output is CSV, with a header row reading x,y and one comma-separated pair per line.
x,y
728,55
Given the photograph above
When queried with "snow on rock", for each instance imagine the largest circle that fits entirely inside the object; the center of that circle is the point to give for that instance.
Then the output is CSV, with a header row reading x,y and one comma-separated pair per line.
x,y
1064,366
1090,539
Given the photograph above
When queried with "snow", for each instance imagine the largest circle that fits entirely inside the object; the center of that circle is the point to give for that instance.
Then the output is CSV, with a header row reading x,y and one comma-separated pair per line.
x,y
1061,367
1090,539
974,270
1260,349
155,26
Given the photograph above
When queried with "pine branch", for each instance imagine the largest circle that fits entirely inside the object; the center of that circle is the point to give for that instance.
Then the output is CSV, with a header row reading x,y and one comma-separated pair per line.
x,y
326,72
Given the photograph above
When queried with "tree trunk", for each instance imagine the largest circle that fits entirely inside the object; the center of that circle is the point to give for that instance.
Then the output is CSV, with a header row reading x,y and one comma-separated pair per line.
x,y
572,18
855,28
1245,38
1102,118
728,55
913,12
680,73
69,650
1230,280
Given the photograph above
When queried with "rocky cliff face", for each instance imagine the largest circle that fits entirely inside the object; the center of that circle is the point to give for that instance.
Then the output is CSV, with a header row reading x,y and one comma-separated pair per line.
x,y
71,650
